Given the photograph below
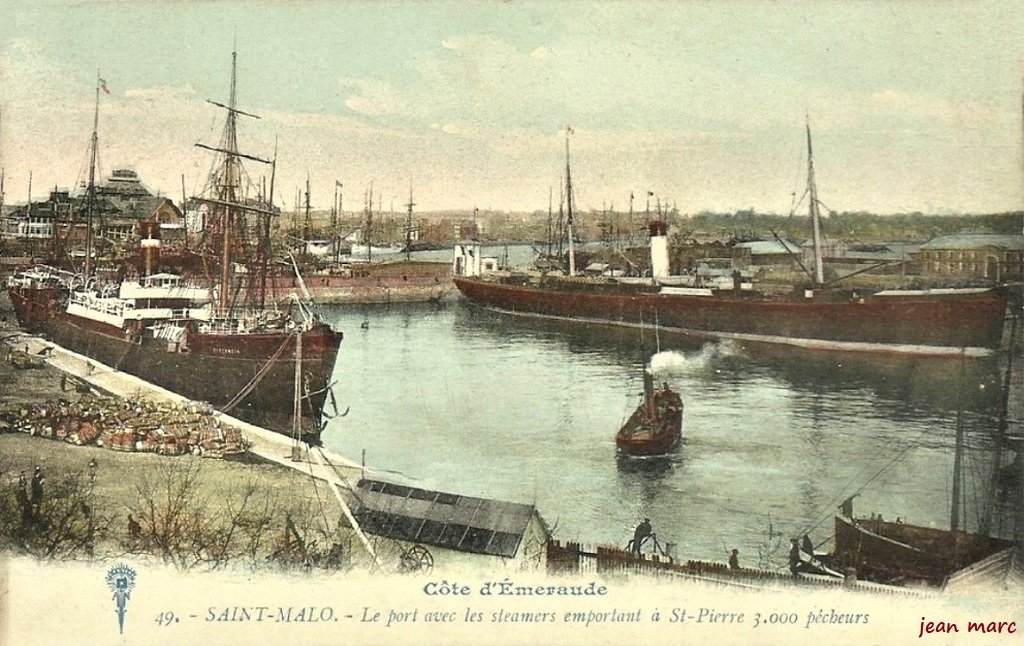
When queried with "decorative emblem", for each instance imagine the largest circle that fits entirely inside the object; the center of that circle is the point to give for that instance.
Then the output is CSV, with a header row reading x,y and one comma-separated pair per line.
x,y
121,580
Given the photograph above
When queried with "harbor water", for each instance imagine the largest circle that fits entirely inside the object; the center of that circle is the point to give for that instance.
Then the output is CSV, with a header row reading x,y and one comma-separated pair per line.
x,y
456,398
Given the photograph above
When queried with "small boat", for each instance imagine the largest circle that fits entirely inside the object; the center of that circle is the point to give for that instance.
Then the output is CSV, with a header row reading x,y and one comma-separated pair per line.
x,y
655,427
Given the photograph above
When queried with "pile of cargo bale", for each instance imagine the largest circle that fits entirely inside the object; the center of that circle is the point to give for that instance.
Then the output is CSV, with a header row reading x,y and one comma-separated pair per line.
x,y
123,425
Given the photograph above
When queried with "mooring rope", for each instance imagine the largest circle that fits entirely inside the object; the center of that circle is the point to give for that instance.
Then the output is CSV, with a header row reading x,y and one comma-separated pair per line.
x,y
257,378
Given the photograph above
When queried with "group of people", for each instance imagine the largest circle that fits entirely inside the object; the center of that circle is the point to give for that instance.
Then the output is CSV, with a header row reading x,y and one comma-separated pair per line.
x,y
798,547
30,495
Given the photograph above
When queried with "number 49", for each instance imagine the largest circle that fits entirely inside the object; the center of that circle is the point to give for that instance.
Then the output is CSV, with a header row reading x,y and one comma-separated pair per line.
x,y
166,618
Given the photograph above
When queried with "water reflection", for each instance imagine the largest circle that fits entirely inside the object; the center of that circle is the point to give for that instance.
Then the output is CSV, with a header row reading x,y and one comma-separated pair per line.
x,y
645,468
460,399
940,383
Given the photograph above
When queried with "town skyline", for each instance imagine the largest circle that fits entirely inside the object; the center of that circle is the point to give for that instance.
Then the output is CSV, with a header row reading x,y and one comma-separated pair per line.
x,y
913,108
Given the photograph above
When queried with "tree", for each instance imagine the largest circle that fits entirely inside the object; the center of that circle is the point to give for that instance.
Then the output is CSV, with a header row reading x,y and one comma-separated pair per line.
x,y
57,520
170,514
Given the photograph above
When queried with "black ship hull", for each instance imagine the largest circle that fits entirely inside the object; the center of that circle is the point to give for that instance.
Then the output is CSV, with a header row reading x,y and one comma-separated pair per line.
x,y
253,374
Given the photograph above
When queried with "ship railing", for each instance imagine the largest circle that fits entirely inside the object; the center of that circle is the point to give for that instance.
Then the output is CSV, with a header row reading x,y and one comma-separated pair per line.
x,y
107,305
179,314
251,326
40,275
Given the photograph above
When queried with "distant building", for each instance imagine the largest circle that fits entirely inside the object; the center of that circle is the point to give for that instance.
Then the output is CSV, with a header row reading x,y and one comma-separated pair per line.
x,y
996,257
891,258
759,253
34,221
122,205
831,251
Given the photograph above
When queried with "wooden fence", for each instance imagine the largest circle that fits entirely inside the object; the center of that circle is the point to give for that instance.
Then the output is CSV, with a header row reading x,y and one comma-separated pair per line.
x,y
572,558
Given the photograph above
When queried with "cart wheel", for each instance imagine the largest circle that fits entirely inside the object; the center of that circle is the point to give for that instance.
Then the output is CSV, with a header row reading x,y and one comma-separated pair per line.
x,y
416,559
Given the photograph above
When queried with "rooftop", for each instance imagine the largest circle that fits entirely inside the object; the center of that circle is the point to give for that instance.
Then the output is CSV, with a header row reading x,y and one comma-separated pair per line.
x,y
462,523
975,241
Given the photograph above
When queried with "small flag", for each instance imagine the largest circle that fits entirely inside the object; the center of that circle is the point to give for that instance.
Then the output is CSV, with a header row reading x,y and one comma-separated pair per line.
x,y
571,131
650,193
103,86
631,195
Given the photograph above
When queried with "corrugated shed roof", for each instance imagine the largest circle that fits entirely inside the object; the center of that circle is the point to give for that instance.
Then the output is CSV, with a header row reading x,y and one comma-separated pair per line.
x,y
463,523
975,241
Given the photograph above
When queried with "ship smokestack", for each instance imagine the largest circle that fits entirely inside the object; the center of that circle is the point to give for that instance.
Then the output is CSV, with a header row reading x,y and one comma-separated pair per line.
x,y
150,243
659,248
467,260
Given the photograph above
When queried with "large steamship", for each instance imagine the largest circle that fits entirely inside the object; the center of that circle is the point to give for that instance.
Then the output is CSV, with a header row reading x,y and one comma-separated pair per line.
x,y
814,316
217,339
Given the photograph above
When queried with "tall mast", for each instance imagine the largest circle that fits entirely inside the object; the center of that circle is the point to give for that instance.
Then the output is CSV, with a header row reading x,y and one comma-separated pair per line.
x,y
306,224
985,524
408,225
334,222
568,193
958,451
561,219
229,188
819,276
550,191
369,227
229,203
264,219
91,190
631,219
297,400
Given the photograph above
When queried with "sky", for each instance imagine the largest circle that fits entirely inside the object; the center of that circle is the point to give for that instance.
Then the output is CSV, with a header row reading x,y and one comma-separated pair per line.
x,y
913,106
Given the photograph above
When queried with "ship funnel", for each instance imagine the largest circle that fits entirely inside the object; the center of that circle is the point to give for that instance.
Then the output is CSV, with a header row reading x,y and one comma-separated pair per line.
x,y
659,248
466,260
150,244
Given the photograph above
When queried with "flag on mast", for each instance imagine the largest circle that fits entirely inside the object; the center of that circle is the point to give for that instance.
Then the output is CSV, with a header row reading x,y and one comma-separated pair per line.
x,y
103,86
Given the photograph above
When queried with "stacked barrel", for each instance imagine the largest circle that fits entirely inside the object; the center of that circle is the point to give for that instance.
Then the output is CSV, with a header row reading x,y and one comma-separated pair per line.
x,y
129,426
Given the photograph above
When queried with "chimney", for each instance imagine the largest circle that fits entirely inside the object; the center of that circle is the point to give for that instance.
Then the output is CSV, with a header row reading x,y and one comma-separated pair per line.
x,y
659,248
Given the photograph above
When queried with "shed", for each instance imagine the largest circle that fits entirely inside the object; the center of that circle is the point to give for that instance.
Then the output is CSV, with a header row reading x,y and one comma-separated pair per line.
x,y
764,252
451,522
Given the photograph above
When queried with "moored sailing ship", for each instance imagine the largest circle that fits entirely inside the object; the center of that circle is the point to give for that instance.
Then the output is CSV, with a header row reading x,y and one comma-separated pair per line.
x,y
214,338
898,552
945,321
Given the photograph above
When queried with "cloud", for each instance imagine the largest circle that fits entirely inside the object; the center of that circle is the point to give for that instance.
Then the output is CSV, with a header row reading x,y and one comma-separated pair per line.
x,y
372,97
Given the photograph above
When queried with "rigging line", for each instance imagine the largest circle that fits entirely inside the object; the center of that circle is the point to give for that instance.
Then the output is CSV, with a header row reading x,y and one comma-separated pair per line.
x,y
319,501
899,456
318,453
797,202
342,477
975,469
258,377
798,179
